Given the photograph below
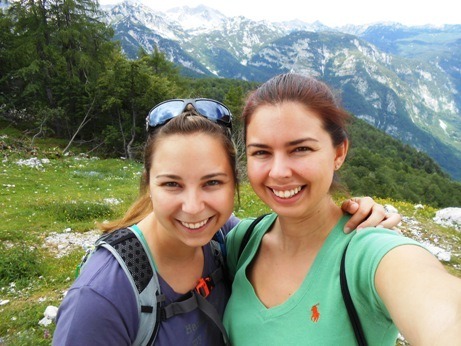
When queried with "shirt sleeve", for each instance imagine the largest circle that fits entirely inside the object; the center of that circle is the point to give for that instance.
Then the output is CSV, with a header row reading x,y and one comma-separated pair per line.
x,y
100,308
366,250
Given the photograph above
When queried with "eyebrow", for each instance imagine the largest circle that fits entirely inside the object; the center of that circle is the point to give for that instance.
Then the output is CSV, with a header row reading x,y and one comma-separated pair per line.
x,y
177,177
289,144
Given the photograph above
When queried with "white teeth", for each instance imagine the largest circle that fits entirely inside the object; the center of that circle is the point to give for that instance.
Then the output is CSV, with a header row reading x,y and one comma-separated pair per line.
x,y
194,225
287,193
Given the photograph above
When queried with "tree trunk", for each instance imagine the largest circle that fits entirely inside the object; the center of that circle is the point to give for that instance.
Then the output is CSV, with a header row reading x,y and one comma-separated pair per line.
x,y
85,121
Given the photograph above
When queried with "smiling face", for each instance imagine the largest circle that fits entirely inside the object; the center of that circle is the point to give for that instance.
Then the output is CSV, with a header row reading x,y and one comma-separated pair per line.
x,y
191,186
291,158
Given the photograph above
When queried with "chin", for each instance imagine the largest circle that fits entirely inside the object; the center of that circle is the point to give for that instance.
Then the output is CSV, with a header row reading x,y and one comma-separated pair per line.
x,y
197,240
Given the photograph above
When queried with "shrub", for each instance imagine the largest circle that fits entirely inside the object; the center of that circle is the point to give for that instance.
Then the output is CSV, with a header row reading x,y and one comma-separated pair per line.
x,y
81,211
19,263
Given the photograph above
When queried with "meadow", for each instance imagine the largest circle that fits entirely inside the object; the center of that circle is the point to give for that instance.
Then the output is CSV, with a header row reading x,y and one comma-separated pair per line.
x,y
50,205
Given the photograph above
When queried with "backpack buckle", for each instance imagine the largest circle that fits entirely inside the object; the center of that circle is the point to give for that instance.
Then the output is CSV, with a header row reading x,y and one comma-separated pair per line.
x,y
204,287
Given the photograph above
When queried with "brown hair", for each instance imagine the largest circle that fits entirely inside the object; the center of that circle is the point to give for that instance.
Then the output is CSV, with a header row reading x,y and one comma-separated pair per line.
x,y
308,91
189,122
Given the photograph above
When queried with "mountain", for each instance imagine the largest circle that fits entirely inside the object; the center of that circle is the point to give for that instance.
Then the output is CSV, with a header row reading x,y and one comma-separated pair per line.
x,y
437,45
403,80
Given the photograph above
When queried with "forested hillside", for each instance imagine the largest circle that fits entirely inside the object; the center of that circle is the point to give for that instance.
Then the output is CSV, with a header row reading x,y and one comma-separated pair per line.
x,y
379,165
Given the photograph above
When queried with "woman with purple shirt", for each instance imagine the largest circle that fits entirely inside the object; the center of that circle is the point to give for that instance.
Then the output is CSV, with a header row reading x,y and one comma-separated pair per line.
x,y
190,176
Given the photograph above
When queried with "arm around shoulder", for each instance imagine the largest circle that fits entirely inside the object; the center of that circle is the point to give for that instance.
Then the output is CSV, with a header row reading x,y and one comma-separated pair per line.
x,y
424,300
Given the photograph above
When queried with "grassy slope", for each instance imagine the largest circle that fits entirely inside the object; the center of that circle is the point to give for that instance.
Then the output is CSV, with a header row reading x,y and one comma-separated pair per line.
x,y
72,192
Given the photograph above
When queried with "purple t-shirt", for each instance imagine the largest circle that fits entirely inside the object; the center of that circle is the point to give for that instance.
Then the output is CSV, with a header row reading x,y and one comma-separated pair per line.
x,y
100,307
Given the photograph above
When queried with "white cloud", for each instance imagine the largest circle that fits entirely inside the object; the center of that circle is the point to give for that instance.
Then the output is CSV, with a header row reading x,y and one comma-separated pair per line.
x,y
330,12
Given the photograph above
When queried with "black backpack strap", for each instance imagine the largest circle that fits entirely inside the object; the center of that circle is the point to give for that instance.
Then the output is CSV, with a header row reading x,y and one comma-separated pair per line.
x,y
352,312
208,309
132,252
220,238
247,235
195,301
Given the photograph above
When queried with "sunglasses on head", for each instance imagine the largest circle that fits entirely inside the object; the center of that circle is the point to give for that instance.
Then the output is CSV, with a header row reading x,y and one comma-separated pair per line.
x,y
208,108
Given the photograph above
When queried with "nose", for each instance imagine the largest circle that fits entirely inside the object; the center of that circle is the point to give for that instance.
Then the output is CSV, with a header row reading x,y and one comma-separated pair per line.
x,y
193,202
280,167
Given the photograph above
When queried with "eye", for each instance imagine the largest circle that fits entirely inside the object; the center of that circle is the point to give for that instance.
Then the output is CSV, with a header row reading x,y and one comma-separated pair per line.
x,y
213,182
170,184
259,153
302,149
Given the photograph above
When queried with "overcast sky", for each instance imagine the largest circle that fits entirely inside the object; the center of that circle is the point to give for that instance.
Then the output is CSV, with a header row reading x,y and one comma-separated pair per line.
x,y
329,12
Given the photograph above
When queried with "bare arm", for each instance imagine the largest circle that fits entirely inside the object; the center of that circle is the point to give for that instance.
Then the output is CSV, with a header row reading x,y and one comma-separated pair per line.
x,y
367,213
424,300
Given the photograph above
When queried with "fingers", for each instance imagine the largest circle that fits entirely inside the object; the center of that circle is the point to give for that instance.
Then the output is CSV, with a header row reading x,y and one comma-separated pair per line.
x,y
367,213
350,206
391,220
367,217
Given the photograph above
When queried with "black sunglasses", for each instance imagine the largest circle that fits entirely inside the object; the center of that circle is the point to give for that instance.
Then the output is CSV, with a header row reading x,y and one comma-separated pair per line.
x,y
208,108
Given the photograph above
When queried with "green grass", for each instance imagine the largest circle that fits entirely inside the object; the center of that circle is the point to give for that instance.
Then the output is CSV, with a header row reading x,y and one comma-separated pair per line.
x,y
75,192
64,192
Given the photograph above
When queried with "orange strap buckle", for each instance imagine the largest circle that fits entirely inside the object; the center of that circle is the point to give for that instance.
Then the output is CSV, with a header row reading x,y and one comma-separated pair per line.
x,y
203,287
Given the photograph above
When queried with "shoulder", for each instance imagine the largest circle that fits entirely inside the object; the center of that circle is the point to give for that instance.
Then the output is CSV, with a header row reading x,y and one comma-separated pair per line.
x,y
230,223
373,244
104,276
376,242
235,236
366,250
102,267
246,229
101,290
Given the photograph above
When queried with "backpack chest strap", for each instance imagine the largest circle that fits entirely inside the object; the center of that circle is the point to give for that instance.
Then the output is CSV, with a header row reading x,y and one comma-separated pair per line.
x,y
203,289
195,301
207,284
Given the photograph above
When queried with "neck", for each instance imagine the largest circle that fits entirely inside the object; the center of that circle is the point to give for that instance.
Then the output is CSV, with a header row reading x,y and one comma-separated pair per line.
x,y
309,230
163,246
178,264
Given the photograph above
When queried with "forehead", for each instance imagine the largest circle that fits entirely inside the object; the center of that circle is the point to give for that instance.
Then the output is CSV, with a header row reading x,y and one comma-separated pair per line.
x,y
191,153
287,116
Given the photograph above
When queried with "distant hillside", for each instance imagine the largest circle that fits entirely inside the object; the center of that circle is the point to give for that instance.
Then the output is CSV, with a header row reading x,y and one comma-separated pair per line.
x,y
378,165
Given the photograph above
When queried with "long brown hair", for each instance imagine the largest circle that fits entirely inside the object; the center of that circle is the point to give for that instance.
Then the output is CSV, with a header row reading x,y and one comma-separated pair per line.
x,y
189,122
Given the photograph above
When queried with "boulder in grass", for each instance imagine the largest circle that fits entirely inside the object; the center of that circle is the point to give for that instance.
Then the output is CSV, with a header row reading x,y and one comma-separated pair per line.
x,y
449,217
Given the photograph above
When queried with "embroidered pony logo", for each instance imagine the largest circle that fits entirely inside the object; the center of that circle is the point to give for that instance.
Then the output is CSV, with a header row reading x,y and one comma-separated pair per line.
x,y
315,314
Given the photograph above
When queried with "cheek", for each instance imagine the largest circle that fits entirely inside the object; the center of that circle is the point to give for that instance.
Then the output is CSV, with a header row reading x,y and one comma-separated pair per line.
x,y
226,199
320,174
255,170
162,201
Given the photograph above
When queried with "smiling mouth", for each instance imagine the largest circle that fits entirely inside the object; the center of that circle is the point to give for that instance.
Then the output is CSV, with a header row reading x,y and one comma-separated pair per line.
x,y
287,193
194,225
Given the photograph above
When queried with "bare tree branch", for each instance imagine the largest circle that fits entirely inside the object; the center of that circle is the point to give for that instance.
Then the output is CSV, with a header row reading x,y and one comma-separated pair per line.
x,y
85,121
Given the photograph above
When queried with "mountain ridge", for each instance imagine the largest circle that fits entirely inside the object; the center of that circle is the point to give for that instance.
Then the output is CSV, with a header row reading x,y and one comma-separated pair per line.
x,y
412,97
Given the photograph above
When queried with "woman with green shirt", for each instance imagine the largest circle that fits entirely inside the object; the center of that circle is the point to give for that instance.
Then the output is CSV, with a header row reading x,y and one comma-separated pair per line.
x,y
286,288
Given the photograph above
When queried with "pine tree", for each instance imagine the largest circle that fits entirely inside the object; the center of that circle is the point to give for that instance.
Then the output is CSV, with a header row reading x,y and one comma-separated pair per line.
x,y
59,48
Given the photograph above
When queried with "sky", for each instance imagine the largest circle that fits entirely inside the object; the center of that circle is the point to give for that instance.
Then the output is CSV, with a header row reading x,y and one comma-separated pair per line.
x,y
330,12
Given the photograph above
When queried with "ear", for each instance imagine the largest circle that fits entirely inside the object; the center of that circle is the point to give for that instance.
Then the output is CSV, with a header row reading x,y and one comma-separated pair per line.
x,y
341,153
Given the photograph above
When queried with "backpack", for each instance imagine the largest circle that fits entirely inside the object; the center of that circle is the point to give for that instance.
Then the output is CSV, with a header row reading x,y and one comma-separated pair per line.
x,y
130,249
351,311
